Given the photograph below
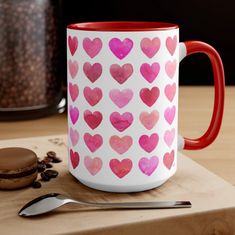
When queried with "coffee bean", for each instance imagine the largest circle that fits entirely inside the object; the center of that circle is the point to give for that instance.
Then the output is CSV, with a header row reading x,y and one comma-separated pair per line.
x,y
47,159
51,173
36,184
44,177
56,160
49,165
51,154
41,166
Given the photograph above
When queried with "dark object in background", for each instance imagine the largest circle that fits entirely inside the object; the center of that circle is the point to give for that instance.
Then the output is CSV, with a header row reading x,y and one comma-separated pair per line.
x,y
30,80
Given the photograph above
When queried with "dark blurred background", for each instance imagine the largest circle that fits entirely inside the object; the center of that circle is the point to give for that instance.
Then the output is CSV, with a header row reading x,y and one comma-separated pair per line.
x,y
209,21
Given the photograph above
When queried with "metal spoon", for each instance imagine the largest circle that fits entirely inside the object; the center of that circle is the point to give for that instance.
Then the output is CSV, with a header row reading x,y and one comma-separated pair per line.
x,y
49,202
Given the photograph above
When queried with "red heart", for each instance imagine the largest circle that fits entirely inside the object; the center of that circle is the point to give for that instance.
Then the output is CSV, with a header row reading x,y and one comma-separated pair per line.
x,y
73,44
120,168
92,96
74,157
168,159
92,71
149,97
121,73
94,119
73,91
93,142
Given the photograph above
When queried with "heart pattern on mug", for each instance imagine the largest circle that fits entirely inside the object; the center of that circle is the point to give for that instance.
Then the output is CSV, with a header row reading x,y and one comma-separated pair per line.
x,y
73,91
94,119
121,73
73,68
121,121
170,68
73,113
74,158
149,97
171,44
169,114
121,98
150,47
120,168
92,96
73,44
120,144
92,47
170,91
149,120
168,159
169,136
149,143
93,165
93,142
74,136
93,72
150,72
148,166
120,48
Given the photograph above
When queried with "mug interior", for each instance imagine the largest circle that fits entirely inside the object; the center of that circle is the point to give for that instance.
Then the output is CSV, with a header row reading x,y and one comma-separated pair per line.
x,y
123,26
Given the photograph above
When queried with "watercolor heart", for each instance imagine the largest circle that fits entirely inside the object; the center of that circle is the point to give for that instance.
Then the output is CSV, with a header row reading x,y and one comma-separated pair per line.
x,y
120,48
149,120
169,114
170,68
120,168
121,98
121,73
94,119
149,97
74,136
148,143
73,91
93,142
150,47
93,72
121,121
168,159
73,44
73,113
148,166
74,158
170,91
150,72
92,96
93,165
73,68
169,137
120,144
92,47
171,44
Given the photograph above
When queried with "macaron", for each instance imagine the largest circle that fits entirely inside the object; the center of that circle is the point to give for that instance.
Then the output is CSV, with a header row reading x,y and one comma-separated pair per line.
x,y
18,167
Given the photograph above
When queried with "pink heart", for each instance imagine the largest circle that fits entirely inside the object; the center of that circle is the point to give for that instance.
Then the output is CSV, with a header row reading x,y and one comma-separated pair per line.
x,y
121,122
120,48
93,72
121,98
120,144
73,91
168,159
74,136
149,97
74,114
169,114
74,158
149,120
171,44
93,142
73,68
94,119
93,165
92,96
169,136
150,72
148,143
73,44
170,68
170,91
150,47
92,47
120,168
148,166
121,73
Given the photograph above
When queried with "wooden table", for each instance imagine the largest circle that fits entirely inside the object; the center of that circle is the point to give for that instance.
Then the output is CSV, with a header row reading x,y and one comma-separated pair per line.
x,y
195,108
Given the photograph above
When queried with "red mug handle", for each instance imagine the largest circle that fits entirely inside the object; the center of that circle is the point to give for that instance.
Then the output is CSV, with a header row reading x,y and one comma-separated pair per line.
x,y
191,47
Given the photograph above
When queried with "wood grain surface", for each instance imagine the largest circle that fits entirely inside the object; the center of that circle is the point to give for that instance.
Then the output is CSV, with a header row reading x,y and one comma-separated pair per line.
x,y
195,109
213,201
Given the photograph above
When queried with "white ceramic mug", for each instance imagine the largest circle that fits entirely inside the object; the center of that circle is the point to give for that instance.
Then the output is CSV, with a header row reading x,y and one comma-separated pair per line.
x,y
123,103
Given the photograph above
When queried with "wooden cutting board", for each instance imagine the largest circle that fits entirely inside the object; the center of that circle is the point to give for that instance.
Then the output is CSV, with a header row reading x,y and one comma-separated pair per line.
x,y
213,201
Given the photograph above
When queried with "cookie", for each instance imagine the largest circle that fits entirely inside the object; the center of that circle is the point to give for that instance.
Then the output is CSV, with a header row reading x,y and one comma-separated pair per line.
x,y
18,167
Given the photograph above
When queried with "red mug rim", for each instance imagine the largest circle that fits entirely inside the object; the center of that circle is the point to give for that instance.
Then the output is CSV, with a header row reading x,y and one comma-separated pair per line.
x,y
123,26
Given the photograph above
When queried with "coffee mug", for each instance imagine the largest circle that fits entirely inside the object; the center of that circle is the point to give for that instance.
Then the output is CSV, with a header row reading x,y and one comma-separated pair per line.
x,y
123,103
